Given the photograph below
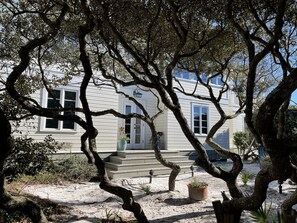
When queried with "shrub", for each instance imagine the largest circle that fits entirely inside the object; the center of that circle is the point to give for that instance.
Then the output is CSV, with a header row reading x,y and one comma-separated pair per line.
x,y
30,157
40,178
245,144
74,168
145,188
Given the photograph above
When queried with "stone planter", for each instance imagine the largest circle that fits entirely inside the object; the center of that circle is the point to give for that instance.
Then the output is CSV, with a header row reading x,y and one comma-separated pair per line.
x,y
198,193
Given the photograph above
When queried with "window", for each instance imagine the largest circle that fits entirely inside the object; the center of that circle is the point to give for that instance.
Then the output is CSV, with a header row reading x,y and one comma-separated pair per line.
x,y
184,74
200,119
66,98
217,80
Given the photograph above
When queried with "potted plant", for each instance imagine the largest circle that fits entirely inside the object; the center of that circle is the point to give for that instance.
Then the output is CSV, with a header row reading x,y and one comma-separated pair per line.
x,y
197,190
123,139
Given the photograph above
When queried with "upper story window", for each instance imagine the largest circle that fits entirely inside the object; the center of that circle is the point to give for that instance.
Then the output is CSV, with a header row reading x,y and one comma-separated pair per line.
x,y
192,76
185,75
200,119
59,97
217,80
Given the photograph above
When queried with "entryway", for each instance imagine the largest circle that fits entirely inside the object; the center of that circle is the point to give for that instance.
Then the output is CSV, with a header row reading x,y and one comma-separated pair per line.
x,y
134,128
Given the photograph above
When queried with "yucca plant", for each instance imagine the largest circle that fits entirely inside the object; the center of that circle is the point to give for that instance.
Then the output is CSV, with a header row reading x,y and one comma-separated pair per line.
x,y
262,215
246,177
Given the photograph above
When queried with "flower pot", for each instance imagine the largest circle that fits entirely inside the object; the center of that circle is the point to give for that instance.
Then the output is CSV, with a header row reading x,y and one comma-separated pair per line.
x,y
122,145
198,193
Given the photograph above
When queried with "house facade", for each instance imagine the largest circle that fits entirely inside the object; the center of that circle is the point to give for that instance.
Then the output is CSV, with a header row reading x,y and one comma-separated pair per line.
x,y
201,116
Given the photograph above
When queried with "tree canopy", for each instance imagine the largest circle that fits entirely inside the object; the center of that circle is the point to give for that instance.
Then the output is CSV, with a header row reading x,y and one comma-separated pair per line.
x,y
249,46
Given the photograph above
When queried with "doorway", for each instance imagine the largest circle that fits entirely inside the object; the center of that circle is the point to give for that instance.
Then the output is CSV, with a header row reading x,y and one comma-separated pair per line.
x,y
134,128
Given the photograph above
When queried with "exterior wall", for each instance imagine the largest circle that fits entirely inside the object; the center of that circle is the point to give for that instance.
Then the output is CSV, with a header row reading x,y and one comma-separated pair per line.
x,y
99,99
175,137
108,125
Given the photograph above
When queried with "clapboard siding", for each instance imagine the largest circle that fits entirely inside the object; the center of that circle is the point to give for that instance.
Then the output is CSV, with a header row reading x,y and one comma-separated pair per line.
x,y
176,139
108,126
189,87
99,99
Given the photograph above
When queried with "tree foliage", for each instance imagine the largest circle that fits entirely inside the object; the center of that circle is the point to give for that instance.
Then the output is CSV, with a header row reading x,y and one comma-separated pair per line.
x,y
249,45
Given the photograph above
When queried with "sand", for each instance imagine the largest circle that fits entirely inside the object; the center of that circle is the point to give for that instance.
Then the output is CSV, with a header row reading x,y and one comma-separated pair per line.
x,y
89,203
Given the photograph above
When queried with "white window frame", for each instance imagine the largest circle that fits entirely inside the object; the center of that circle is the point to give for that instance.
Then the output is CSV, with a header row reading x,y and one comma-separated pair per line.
x,y
200,120
44,102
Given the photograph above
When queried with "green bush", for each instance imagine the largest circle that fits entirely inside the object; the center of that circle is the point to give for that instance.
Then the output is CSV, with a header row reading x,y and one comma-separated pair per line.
x,y
30,157
246,145
74,168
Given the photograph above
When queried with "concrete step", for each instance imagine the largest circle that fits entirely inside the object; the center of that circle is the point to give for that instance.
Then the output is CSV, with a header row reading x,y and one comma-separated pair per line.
x,y
145,153
143,172
147,165
136,163
143,160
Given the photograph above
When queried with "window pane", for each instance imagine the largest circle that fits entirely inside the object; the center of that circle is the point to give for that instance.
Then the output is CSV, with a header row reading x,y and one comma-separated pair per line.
x,y
128,109
51,123
197,130
204,117
196,123
55,94
51,103
220,81
204,124
177,73
186,75
69,104
204,78
137,139
68,124
70,95
194,77
213,80
196,110
204,113
204,130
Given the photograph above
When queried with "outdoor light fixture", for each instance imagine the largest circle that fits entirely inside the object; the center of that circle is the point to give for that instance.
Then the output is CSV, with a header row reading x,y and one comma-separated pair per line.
x,y
192,169
137,94
151,172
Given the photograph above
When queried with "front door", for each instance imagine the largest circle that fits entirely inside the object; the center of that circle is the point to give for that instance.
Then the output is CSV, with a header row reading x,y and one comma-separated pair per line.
x,y
134,127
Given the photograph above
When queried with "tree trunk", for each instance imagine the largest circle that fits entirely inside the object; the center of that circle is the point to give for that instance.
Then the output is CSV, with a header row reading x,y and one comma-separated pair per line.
x,y
10,203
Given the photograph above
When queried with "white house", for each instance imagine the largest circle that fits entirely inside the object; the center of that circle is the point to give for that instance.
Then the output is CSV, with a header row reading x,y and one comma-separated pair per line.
x,y
201,115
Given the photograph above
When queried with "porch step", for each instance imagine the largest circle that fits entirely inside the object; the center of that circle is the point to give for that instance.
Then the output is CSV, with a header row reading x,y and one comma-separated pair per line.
x,y
143,160
131,166
145,153
144,172
136,163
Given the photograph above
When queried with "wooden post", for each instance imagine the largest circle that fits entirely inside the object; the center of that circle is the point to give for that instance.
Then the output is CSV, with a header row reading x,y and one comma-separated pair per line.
x,y
217,206
225,217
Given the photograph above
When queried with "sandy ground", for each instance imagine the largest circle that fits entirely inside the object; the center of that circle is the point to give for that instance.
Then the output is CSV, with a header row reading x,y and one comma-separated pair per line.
x,y
89,203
